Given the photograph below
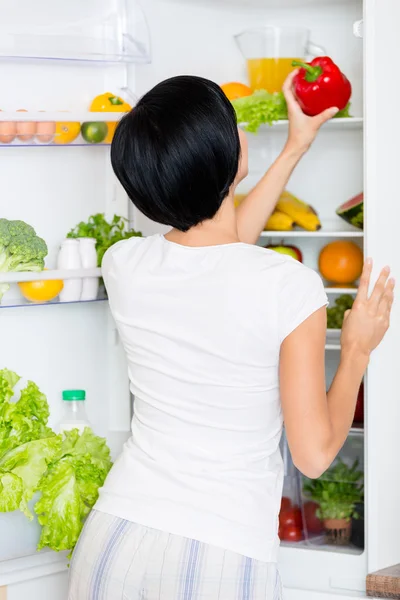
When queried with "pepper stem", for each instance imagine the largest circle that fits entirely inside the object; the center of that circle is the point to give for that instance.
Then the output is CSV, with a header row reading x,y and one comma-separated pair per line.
x,y
312,73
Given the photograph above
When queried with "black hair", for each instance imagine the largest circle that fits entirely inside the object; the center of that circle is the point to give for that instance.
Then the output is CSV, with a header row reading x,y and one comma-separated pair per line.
x,y
177,152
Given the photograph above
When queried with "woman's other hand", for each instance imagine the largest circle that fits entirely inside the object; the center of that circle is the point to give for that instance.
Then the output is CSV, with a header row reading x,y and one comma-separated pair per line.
x,y
365,325
302,129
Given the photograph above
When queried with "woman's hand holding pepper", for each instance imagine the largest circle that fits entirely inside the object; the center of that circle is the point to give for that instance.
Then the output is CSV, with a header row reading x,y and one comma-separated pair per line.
x,y
302,129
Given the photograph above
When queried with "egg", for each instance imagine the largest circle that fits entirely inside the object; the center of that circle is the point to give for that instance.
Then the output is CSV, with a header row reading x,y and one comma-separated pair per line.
x,y
8,131
25,129
45,131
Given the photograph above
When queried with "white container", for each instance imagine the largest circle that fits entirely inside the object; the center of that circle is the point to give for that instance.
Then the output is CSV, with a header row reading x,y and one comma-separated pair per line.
x,y
69,258
90,285
19,536
74,411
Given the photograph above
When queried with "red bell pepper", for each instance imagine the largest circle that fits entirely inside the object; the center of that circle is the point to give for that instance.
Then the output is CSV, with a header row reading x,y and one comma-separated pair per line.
x,y
320,85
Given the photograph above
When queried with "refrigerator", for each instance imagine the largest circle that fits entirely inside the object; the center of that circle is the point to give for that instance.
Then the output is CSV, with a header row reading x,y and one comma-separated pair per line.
x,y
56,57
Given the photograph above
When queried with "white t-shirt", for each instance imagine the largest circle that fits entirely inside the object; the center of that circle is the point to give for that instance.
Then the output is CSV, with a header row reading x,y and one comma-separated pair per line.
x,y
202,329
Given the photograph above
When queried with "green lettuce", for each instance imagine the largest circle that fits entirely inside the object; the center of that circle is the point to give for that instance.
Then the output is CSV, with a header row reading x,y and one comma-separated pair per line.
x,y
70,487
66,470
28,463
260,108
264,108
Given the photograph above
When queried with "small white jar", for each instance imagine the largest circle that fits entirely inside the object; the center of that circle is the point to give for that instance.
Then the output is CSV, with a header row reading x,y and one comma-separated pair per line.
x,y
90,285
69,258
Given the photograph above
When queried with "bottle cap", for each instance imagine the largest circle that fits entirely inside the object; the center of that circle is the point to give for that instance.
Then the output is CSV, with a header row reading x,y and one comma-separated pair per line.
x,y
69,395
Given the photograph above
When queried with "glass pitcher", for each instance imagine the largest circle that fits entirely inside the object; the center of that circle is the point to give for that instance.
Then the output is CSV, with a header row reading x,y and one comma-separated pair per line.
x,y
269,52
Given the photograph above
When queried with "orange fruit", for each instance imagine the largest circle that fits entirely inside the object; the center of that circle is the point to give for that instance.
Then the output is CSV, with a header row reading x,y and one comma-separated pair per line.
x,y
235,90
41,291
341,262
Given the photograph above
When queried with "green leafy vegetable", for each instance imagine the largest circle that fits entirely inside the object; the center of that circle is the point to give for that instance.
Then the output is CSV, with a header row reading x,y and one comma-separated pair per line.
x,y
260,108
70,488
264,108
337,492
29,462
336,313
66,470
105,233
20,249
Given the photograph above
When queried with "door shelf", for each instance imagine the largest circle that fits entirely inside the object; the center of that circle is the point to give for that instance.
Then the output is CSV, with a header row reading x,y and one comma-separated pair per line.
x,y
22,303
52,128
13,297
335,228
113,31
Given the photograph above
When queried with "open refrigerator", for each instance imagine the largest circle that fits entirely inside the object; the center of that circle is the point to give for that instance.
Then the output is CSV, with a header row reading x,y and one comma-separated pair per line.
x,y
56,58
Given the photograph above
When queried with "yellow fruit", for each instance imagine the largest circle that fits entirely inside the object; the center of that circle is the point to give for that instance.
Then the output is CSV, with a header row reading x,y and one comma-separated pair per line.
x,y
112,126
66,132
302,214
278,221
235,90
41,291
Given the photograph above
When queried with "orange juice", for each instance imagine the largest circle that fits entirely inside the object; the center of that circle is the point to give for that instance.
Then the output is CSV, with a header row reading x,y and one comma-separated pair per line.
x,y
269,73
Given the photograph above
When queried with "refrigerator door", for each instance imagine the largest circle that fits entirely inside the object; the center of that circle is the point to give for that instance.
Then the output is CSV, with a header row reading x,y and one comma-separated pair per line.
x,y
382,132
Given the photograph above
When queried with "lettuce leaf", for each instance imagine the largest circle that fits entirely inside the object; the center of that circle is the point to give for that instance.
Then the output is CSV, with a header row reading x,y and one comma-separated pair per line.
x,y
11,490
260,108
28,462
70,488
264,108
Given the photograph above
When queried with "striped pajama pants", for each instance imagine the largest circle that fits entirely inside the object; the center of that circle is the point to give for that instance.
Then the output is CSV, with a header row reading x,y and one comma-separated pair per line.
x,y
120,560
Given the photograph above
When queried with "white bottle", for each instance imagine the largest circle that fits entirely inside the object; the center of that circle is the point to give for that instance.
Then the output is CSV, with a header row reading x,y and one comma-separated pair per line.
x,y
70,258
74,411
90,285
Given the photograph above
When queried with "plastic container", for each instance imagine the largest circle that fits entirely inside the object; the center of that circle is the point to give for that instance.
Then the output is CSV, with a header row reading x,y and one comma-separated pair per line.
x,y
327,513
88,254
19,536
69,258
75,414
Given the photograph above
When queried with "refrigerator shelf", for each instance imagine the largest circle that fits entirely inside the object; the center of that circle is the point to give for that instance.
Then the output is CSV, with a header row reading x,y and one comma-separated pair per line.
x,y
346,124
335,228
96,31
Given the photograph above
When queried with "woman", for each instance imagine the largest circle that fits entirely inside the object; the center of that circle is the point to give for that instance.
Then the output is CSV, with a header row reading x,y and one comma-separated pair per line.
x,y
224,341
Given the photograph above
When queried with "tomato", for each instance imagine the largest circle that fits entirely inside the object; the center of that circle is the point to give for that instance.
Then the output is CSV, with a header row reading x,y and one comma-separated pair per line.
x,y
291,533
291,517
313,524
280,532
286,503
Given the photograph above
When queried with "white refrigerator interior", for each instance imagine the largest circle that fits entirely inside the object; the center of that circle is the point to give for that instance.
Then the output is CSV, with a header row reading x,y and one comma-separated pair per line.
x,y
57,58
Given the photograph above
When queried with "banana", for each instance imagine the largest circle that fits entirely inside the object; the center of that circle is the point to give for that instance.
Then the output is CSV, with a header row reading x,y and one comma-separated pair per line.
x,y
278,221
301,213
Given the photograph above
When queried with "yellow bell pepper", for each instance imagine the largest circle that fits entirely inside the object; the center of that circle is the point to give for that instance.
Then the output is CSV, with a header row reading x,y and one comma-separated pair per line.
x,y
109,103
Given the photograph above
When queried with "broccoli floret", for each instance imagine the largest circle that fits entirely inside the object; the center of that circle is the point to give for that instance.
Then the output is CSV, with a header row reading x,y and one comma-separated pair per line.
x,y
20,249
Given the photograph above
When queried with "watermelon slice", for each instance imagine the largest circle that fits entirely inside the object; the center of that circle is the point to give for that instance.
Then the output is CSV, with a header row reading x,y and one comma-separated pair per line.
x,y
352,211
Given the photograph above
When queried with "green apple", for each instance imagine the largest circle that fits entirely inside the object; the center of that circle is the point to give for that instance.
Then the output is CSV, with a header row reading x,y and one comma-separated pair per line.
x,y
289,250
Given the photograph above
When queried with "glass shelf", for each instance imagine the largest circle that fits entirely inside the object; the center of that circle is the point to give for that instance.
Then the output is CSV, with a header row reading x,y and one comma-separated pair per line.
x,y
22,303
335,228
107,31
51,128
